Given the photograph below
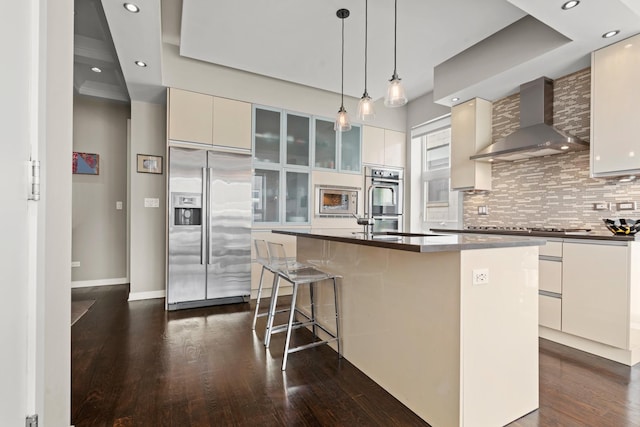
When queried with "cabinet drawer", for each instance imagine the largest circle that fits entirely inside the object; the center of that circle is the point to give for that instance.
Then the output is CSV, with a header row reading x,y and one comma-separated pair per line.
x,y
549,311
550,279
551,249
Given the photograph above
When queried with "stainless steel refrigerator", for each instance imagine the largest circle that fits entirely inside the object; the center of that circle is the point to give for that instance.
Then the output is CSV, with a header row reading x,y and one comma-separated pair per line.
x,y
209,248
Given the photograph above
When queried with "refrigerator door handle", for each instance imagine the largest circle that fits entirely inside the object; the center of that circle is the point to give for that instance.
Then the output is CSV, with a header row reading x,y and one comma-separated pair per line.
x,y
210,211
204,222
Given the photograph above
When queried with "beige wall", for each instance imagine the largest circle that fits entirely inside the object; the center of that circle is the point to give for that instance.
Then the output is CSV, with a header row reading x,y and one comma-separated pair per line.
x,y
99,229
147,224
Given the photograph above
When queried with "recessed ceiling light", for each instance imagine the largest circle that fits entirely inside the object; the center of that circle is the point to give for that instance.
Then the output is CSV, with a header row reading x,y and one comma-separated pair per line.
x,y
456,99
96,70
564,147
141,64
609,34
570,4
131,7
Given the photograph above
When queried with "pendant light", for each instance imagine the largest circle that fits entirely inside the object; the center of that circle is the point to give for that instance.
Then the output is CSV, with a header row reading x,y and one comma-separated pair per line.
x,y
395,91
342,119
366,109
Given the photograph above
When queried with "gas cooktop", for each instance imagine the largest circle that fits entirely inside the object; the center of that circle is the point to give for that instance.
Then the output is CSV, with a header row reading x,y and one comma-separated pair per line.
x,y
498,229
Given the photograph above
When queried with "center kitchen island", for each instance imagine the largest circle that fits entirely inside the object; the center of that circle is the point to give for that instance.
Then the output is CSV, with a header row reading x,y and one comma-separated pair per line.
x,y
447,324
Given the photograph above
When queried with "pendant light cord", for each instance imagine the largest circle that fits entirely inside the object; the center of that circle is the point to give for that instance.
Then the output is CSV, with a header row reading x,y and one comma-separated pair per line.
x,y
342,83
395,37
366,25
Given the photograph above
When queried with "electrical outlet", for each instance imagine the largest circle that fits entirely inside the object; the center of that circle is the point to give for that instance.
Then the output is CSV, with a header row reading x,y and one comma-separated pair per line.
x,y
75,264
627,206
602,206
483,210
481,276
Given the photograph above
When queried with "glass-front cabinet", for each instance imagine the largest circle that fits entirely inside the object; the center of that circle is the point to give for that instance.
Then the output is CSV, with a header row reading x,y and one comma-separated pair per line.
x,y
298,140
325,145
266,195
286,146
266,135
282,166
297,202
350,150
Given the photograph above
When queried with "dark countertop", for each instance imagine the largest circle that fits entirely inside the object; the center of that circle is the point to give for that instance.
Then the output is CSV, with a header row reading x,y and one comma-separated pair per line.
x,y
592,235
417,242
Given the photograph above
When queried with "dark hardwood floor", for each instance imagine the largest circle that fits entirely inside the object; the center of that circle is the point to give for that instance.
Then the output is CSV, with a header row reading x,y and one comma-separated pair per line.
x,y
134,364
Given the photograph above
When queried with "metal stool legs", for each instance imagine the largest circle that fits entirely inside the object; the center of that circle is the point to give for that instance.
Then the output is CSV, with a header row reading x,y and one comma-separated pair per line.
x,y
312,321
255,314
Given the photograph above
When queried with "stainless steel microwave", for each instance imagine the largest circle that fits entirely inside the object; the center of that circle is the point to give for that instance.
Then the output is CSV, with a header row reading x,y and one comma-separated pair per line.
x,y
336,201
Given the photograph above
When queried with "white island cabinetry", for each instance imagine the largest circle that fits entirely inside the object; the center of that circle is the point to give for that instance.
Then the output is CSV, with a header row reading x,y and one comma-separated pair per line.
x,y
411,318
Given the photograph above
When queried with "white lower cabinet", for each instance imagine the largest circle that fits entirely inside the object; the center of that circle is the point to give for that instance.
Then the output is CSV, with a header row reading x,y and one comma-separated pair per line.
x,y
550,311
595,292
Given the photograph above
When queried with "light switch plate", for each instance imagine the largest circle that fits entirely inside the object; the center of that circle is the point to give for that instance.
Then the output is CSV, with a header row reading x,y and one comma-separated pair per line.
x,y
151,202
75,264
119,205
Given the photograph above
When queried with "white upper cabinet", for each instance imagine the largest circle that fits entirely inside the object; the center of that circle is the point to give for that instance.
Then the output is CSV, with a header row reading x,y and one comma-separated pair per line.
x,y
615,91
231,123
206,119
190,116
383,147
395,144
470,132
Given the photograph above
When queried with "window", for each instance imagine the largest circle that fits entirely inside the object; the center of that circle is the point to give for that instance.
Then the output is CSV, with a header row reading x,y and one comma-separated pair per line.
x,y
441,207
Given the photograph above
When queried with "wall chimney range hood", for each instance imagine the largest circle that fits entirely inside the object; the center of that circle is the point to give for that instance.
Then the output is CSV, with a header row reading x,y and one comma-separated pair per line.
x,y
536,136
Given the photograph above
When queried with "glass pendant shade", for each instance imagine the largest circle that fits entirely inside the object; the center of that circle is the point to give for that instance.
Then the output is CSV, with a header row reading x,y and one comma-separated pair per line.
x,y
342,124
366,110
396,96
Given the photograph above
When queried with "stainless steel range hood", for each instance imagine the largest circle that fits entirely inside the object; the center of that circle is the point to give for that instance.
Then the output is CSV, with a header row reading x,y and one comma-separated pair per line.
x,y
536,136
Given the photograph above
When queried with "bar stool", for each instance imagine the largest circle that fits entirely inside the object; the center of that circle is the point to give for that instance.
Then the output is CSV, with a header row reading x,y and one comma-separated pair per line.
x,y
299,276
262,258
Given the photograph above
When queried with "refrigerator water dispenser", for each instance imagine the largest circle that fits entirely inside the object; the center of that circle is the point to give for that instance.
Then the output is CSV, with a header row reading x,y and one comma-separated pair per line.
x,y
187,209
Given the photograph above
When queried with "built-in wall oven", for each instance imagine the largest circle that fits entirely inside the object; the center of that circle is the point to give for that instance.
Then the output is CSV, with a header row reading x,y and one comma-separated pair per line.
x,y
384,197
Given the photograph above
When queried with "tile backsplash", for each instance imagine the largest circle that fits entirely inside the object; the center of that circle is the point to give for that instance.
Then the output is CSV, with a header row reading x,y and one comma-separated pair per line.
x,y
552,191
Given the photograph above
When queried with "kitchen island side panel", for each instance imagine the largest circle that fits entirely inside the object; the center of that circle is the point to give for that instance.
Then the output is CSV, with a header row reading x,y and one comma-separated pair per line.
x,y
414,324
400,316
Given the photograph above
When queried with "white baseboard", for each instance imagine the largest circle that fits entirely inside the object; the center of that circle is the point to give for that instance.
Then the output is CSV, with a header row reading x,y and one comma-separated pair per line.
x,y
136,296
99,282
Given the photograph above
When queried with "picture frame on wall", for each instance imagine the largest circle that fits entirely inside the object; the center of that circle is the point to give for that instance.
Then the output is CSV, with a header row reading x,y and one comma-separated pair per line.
x,y
148,163
85,163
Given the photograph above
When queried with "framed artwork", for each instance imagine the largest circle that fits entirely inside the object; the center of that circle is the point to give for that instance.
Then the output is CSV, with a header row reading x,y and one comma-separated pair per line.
x,y
149,164
86,163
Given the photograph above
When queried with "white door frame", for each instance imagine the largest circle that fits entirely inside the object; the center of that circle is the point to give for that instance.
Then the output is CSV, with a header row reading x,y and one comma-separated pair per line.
x,y
35,249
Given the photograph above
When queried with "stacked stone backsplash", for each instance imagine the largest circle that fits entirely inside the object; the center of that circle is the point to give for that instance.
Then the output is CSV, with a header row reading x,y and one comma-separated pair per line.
x,y
552,191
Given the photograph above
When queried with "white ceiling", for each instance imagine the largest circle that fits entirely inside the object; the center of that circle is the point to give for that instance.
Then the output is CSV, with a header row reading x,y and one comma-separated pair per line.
x,y
299,40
